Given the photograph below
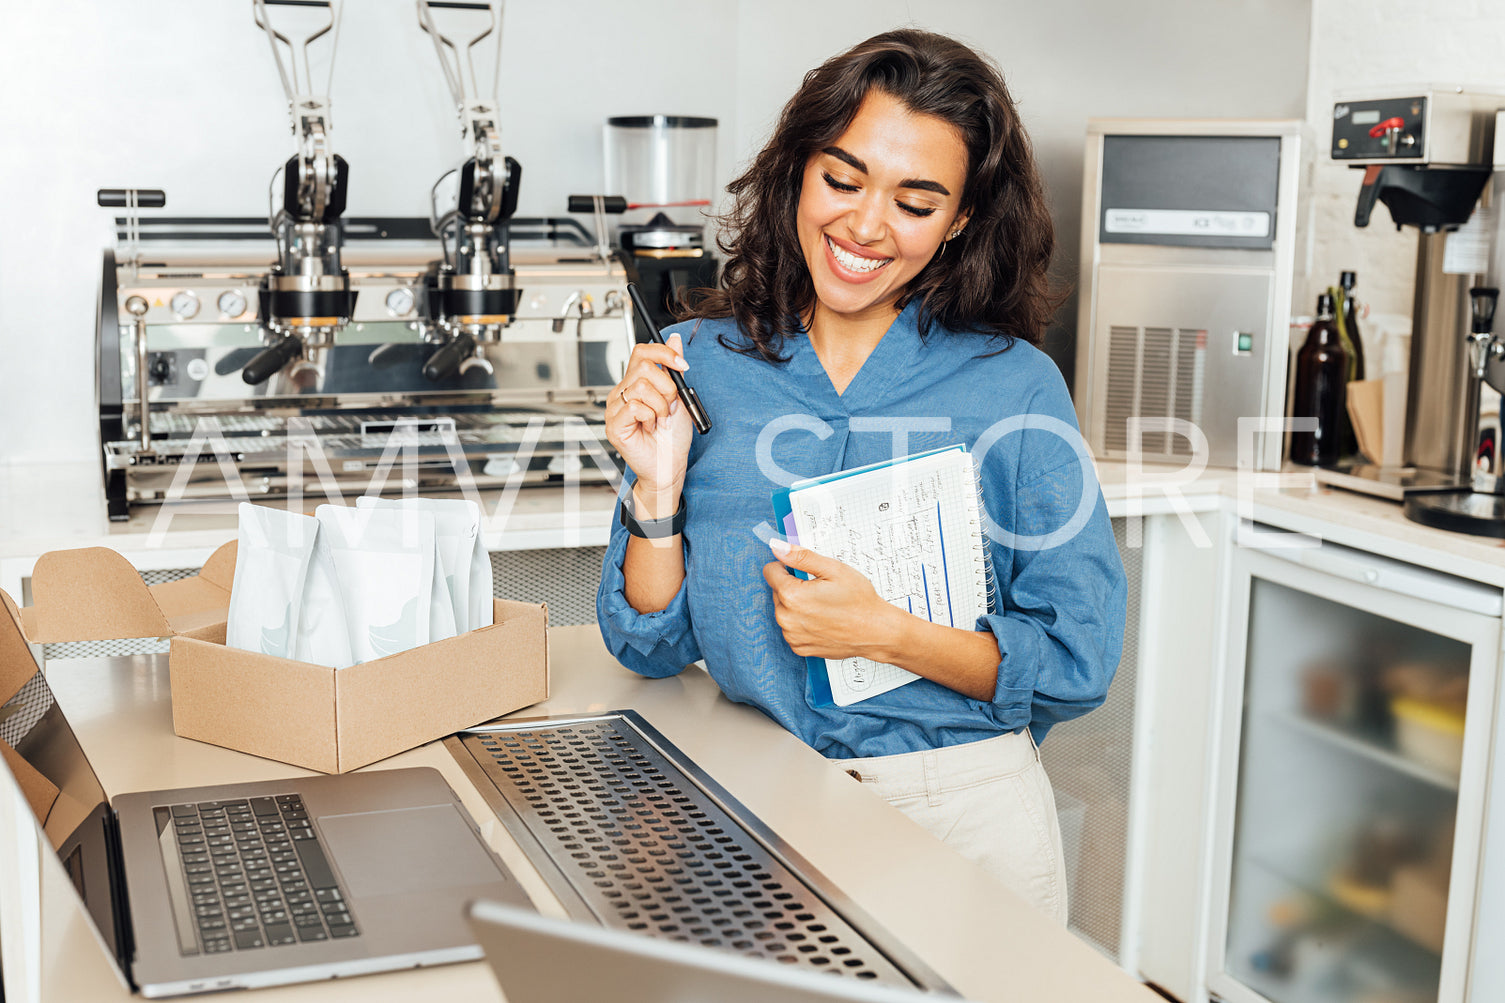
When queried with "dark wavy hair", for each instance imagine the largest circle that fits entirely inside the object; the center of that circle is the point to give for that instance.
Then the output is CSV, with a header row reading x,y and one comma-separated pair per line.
x,y
993,280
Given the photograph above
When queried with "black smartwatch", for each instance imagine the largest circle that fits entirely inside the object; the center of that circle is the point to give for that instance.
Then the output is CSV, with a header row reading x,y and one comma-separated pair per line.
x,y
652,529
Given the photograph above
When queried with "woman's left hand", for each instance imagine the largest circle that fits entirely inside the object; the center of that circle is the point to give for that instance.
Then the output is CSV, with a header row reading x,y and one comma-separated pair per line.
x,y
836,613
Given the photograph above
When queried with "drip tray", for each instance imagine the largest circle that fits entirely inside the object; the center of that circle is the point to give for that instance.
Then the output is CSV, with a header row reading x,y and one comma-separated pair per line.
x,y
629,832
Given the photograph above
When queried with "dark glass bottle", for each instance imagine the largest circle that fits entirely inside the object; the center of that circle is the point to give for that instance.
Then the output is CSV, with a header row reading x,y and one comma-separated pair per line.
x,y
1321,391
1348,331
1351,326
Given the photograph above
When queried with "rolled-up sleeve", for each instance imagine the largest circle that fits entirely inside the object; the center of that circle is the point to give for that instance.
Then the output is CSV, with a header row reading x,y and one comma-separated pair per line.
x,y
650,644
1059,619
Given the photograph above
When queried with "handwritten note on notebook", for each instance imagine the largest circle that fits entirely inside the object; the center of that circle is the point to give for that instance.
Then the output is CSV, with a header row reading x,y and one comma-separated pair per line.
x,y
911,527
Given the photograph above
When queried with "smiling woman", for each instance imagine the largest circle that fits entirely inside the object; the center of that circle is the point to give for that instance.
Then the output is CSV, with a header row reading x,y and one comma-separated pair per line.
x,y
884,287
866,232
939,123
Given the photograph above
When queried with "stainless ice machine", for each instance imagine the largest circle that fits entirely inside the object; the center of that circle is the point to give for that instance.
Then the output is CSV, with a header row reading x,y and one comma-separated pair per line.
x,y
1188,232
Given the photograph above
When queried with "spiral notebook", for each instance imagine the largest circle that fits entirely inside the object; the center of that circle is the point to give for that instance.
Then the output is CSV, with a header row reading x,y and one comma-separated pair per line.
x,y
912,527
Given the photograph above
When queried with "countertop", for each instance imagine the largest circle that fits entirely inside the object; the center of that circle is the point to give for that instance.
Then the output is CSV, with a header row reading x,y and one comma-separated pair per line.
x,y
1293,501
53,506
987,943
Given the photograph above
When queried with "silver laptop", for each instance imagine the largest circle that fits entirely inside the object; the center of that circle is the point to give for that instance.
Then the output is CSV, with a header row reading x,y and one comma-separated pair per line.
x,y
539,959
256,884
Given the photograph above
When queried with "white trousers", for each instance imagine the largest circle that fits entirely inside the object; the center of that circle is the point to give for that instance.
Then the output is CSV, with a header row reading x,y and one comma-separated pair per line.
x,y
990,801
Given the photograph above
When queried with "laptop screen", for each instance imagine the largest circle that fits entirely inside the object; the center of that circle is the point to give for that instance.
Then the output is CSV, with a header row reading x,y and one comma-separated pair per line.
x,y
62,790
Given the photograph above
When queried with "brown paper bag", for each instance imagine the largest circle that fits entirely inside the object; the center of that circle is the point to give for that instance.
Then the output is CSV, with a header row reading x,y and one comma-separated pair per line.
x,y
1366,409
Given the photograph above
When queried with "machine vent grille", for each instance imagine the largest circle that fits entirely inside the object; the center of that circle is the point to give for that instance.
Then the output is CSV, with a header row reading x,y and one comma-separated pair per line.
x,y
1191,358
1123,385
1156,380
1153,372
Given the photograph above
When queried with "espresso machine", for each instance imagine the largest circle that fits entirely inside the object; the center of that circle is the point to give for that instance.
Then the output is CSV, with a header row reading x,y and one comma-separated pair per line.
x,y
242,360
1428,156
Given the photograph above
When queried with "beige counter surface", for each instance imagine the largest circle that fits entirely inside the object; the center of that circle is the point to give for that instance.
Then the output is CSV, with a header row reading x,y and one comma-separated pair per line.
x,y
61,506
53,506
974,933
1293,501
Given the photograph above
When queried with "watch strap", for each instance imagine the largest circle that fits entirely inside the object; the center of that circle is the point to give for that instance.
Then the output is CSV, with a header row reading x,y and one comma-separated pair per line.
x,y
652,529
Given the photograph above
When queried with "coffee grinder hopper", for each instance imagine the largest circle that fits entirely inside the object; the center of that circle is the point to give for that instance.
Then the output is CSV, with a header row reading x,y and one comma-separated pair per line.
x,y
663,167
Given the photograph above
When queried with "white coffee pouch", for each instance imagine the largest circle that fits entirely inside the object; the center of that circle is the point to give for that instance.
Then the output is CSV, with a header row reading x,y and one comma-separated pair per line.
x,y
266,594
480,593
384,565
463,560
323,635
441,604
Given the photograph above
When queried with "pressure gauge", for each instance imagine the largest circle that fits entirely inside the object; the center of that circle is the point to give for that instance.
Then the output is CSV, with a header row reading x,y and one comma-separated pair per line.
x,y
232,303
400,301
185,304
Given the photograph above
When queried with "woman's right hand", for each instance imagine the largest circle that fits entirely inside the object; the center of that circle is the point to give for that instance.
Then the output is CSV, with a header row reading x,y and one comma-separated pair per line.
x,y
649,425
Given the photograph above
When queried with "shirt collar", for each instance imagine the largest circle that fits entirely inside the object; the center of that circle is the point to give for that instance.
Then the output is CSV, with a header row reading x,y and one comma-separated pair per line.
x,y
889,361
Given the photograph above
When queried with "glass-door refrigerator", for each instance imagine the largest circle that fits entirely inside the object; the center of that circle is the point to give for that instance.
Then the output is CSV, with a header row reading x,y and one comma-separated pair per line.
x,y
1351,764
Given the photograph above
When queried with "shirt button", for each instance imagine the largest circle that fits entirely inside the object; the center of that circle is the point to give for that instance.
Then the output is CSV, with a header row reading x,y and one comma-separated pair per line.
x,y
855,775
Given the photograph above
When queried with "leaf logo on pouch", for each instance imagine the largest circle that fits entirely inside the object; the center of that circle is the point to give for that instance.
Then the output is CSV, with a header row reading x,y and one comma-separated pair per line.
x,y
274,640
399,635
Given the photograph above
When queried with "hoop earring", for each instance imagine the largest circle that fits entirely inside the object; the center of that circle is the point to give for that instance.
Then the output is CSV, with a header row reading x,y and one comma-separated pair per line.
x,y
949,238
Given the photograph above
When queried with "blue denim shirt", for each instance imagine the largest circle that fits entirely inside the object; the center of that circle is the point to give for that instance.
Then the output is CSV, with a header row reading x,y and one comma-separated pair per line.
x,y
1058,615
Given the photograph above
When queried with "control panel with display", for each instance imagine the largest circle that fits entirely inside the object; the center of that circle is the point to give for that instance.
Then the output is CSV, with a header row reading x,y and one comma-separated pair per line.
x,y
1389,128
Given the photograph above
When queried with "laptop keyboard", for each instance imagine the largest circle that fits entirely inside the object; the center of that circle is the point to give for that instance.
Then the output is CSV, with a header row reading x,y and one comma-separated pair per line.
x,y
252,874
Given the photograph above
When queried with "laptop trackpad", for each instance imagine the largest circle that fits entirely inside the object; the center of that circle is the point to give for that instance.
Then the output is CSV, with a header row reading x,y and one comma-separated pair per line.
x,y
406,850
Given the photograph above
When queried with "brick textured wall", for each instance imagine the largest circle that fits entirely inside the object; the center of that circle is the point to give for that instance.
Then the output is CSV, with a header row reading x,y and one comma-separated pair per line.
x,y
1379,45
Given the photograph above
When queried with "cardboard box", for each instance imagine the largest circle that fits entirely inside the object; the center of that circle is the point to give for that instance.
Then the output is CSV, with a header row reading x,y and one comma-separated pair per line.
x,y
331,720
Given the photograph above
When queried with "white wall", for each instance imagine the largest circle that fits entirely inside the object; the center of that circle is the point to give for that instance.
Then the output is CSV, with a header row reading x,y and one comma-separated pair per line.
x,y
181,95
1380,44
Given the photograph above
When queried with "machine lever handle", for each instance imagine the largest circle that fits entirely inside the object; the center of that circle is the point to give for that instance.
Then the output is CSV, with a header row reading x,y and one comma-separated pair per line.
x,y
587,203
269,360
146,198
447,359
1368,194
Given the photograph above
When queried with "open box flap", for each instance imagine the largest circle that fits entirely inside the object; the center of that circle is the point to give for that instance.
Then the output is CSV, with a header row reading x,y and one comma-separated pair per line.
x,y
220,568
90,594
40,792
191,602
16,664
17,667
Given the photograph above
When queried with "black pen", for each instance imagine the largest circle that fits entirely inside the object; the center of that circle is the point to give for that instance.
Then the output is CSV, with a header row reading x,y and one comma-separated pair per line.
x,y
686,392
